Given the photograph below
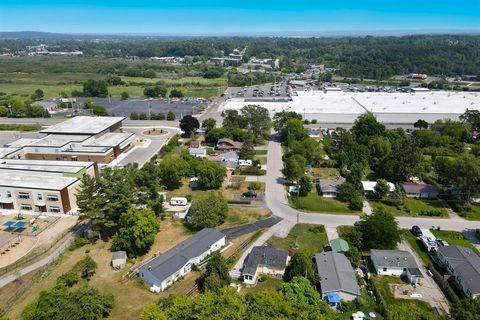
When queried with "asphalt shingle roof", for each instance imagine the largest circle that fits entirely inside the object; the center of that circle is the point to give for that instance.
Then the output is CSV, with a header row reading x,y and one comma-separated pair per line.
x,y
266,256
393,258
336,273
174,259
466,265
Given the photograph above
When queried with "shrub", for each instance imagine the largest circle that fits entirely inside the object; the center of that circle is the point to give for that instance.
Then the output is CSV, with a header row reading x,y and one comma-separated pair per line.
x,y
77,242
254,186
262,278
356,203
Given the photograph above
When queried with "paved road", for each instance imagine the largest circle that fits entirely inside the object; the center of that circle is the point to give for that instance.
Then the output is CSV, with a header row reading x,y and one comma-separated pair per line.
x,y
141,155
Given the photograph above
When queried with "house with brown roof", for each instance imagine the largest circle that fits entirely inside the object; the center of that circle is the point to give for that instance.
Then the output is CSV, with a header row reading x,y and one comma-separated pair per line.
x,y
422,191
226,144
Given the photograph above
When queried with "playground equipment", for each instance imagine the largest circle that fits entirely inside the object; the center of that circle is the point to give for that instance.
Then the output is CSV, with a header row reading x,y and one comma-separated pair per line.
x,y
35,227
19,216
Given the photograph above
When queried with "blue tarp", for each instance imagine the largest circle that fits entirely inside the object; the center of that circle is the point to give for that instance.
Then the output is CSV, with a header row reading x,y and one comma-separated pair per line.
x,y
332,298
8,224
20,224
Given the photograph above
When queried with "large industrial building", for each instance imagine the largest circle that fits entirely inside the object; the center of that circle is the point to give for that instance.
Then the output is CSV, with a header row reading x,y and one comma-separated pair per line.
x,y
345,107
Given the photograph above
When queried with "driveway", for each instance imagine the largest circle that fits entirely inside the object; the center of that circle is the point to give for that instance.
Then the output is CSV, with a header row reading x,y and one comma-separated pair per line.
x,y
429,289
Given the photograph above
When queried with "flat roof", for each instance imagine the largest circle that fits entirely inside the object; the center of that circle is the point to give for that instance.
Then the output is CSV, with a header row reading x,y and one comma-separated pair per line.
x,y
84,125
57,140
26,181
20,143
110,139
44,165
317,102
6,151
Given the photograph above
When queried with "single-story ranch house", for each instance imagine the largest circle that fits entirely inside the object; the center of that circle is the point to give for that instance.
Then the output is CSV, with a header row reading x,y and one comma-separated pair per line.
x,y
396,263
421,191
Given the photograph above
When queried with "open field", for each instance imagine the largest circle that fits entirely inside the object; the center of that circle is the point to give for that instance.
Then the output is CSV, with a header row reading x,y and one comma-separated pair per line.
x,y
54,84
323,173
315,203
239,216
302,236
414,207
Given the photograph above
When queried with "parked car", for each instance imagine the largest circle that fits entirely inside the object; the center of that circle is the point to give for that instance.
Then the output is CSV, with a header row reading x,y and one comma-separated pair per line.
x,y
249,194
416,231
357,223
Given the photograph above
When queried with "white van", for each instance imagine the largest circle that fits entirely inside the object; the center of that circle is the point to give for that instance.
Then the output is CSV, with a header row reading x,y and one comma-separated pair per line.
x,y
245,163
178,201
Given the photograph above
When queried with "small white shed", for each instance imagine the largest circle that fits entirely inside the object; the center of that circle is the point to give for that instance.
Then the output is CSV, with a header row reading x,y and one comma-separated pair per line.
x,y
119,259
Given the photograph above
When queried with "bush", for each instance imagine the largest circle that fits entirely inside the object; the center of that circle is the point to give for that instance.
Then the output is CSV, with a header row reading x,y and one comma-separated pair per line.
x,y
77,242
431,213
356,203
254,186
262,278
86,267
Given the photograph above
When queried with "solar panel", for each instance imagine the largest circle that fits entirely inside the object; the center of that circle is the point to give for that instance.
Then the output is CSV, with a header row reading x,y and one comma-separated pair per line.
x,y
8,224
20,224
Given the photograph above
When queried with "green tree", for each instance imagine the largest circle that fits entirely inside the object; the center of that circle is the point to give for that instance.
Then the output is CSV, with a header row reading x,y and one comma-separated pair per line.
x,y
472,118
281,118
247,152
421,124
380,148
134,116
37,112
189,124
125,95
210,174
3,111
216,274
86,198
137,231
99,110
294,167
302,293
302,265
95,88
176,93
171,170
379,230
86,267
305,185
208,212
208,124
465,309
292,131
232,119
170,115
366,127
381,188
155,91
258,120
142,116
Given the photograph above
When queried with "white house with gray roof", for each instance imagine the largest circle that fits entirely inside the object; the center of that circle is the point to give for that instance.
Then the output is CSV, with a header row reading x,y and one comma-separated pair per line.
x,y
264,260
396,263
337,275
162,271
464,265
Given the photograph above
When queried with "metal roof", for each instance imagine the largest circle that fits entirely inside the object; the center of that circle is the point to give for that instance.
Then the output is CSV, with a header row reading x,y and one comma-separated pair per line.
x,y
336,273
176,258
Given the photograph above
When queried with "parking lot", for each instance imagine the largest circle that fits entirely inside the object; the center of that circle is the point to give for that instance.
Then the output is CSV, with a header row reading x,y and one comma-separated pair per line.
x,y
124,108
265,91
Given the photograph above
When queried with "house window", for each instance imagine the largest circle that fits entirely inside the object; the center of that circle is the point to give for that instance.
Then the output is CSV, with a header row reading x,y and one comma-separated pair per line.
x,y
52,197
9,194
26,207
404,269
54,209
384,269
39,197
24,195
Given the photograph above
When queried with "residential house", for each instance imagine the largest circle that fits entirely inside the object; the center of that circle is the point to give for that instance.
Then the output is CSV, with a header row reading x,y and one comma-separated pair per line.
x,y
421,191
198,152
226,144
163,270
329,188
264,260
396,263
230,159
369,186
464,265
336,276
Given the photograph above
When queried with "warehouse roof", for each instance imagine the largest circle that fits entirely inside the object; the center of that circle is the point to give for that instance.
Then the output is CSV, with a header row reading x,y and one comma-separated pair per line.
x,y
84,125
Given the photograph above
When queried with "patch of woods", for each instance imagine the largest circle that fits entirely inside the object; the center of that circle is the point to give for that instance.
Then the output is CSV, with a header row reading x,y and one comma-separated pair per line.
x,y
444,153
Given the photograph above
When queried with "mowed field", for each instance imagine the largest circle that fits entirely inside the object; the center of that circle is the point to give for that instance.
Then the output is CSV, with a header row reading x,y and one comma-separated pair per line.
x,y
58,84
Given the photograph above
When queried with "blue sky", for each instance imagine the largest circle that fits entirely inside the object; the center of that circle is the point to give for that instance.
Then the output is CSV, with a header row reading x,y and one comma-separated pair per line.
x,y
235,16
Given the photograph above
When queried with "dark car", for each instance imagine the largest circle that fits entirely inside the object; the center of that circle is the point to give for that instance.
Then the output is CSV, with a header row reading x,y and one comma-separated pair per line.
x,y
416,231
357,223
249,194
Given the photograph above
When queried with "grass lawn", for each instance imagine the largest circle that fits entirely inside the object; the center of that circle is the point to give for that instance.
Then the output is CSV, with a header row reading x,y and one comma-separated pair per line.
x,y
302,236
262,160
261,152
382,284
414,207
130,295
269,284
416,245
454,237
315,203
239,216
323,173
473,213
